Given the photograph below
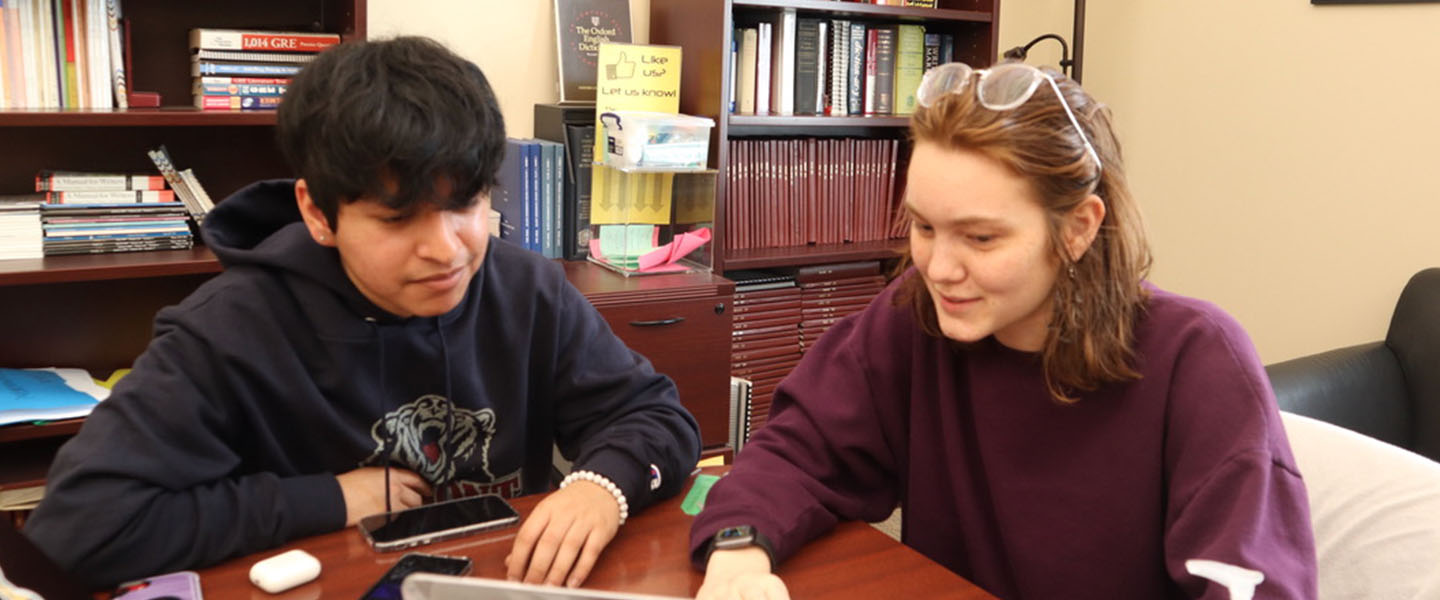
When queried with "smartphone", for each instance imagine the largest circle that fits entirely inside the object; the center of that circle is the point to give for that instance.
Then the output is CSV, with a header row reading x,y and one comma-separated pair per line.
x,y
434,522
180,585
388,587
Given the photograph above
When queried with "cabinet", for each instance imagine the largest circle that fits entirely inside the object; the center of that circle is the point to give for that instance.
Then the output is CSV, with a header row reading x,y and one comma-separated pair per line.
x,y
704,28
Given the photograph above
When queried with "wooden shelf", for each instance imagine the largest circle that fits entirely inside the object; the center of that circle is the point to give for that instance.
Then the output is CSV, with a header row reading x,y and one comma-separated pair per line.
x,y
27,461
893,121
30,431
765,258
97,267
830,7
169,116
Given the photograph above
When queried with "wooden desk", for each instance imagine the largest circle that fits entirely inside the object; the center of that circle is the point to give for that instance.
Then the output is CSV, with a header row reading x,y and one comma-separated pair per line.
x,y
650,555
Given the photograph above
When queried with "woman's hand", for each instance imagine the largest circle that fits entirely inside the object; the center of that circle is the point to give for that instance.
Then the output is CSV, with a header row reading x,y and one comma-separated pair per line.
x,y
741,573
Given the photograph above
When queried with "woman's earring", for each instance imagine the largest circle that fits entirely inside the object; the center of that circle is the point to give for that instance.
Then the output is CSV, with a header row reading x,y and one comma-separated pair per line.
x,y
1072,269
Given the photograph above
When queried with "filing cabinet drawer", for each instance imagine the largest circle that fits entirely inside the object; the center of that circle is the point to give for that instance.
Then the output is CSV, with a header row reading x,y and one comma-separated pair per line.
x,y
689,340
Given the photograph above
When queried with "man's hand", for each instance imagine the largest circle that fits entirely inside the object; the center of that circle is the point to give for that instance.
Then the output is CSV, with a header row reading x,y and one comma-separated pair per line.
x,y
742,573
564,535
364,491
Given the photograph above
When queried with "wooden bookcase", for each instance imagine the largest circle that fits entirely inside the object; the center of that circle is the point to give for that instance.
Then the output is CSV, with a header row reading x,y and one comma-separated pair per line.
x,y
96,311
704,29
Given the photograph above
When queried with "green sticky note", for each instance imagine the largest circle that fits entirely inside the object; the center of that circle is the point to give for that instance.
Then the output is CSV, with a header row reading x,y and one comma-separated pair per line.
x,y
695,500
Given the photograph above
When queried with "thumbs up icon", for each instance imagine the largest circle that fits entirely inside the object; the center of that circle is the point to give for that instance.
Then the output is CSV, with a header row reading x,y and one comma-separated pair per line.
x,y
622,69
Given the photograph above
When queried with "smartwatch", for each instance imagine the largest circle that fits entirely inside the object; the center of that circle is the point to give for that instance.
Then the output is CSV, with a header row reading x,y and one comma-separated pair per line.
x,y
740,536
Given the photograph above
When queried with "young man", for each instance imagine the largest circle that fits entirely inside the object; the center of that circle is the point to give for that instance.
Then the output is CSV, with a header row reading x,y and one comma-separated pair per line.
x,y
367,332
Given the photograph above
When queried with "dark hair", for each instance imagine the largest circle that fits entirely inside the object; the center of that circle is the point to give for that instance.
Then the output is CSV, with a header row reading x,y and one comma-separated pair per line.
x,y
389,120
1098,298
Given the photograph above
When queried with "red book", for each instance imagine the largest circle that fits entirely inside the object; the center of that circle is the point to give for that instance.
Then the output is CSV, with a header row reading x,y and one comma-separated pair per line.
x,y
261,41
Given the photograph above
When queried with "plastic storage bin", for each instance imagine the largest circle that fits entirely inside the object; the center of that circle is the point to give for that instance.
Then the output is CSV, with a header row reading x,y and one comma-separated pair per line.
x,y
655,141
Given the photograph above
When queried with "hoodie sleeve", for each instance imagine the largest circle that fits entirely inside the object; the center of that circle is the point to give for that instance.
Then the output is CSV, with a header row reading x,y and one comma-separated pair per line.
x,y
149,484
614,415
825,454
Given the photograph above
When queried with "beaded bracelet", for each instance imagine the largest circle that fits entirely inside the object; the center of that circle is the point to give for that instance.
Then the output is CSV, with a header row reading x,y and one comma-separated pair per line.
x,y
603,482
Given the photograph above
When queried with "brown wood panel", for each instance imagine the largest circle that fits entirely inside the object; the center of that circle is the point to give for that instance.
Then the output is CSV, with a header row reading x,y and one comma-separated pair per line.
x,y
763,258
96,325
224,158
160,33
650,555
695,352
97,267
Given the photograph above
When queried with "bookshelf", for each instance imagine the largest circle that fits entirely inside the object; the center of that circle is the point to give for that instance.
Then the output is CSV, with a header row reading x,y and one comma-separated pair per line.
x,y
95,311
704,29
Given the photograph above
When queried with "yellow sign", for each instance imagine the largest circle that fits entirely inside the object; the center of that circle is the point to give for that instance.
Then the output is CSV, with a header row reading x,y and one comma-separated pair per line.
x,y
620,197
635,77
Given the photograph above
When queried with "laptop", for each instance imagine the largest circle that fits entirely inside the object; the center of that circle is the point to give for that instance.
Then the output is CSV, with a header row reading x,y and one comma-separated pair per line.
x,y
430,586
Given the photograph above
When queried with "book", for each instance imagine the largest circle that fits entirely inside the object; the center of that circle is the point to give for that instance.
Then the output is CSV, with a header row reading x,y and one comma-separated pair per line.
x,y
808,53
238,102
580,27
110,196
199,67
261,41
838,104
739,413
214,80
200,88
71,181
782,75
508,195
745,62
180,184
909,66
932,50
47,394
764,64
815,273
858,75
884,70
252,56
117,61
580,148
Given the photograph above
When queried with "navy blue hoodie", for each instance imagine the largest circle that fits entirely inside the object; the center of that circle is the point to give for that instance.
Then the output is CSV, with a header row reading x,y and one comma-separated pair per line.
x,y
278,374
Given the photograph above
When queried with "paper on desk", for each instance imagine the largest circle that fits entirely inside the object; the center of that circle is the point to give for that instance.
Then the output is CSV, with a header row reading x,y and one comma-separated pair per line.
x,y
47,394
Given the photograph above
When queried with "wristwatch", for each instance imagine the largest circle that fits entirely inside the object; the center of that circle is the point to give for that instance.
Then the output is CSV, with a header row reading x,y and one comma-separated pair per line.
x,y
740,536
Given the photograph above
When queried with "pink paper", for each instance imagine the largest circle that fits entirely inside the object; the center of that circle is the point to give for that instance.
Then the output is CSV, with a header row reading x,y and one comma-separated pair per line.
x,y
664,257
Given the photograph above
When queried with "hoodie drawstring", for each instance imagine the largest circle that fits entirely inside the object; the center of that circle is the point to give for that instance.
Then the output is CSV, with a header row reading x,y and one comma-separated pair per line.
x,y
387,439
449,408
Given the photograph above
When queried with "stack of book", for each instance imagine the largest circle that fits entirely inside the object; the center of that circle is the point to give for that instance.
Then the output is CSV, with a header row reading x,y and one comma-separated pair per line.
x,y
106,228
795,192
829,293
86,213
249,70
20,227
806,66
531,199
765,340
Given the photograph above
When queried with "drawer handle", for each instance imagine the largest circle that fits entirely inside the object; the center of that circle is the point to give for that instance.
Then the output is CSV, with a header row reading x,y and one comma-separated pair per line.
x,y
657,322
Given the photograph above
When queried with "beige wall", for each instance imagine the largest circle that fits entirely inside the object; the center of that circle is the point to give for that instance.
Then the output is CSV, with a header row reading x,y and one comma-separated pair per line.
x,y
1281,151
1284,155
513,41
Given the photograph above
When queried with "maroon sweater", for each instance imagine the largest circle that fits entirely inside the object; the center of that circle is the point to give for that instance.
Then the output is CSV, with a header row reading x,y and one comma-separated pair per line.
x,y
1106,498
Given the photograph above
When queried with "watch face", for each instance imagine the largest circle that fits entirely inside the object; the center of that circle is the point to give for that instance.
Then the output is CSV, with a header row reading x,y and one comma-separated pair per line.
x,y
735,537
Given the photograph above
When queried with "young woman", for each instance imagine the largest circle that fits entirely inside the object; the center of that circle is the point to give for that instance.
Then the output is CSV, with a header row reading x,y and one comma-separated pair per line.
x,y
1052,425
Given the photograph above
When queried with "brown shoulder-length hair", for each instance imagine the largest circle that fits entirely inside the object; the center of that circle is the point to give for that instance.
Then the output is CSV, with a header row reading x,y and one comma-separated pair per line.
x,y
1098,298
